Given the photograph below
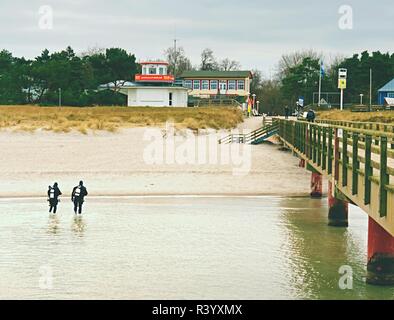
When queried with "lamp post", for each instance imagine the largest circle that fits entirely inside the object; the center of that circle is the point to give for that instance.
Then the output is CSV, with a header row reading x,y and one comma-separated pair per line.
x,y
60,97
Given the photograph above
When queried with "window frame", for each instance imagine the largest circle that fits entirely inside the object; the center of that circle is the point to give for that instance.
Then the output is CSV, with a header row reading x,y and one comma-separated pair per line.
x,y
232,85
243,84
206,82
212,82
188,86
196,82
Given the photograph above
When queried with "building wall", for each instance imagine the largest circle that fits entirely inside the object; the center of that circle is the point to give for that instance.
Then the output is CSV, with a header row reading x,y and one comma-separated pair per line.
x,y
206,93
383,95
156,97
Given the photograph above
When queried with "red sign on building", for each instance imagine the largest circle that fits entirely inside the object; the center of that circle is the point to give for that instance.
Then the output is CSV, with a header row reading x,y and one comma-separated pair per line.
x,y
154,78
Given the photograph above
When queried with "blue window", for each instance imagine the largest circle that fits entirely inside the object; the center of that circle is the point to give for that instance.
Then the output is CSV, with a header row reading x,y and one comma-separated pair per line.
x,y
214,84
188,84
231,85
196,84
390,95
241,84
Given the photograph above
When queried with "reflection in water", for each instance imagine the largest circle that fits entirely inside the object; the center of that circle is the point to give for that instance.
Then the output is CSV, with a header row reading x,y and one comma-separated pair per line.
x,y
78,225
53,224
316,252
184,248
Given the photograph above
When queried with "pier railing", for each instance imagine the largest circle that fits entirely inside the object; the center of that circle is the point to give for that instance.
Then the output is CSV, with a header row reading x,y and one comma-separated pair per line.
x,y
358,156
254,136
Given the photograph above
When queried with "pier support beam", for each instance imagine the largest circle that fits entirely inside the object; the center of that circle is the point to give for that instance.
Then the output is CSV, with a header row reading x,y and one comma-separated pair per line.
x,y
338,215
302,163
380,255
316,185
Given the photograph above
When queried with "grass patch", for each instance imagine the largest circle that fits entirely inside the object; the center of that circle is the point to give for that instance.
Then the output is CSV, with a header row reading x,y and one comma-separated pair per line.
x,y
377,116
66,119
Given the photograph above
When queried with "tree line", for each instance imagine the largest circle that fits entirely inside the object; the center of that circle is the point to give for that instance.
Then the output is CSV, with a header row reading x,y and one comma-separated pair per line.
x,y
77,76
298,76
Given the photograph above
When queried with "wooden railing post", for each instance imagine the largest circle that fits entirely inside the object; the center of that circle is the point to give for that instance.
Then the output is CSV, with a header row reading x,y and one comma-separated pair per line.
x,y
319,147
336,155
384,177
324,151
368,169
355,165
345,159
329,150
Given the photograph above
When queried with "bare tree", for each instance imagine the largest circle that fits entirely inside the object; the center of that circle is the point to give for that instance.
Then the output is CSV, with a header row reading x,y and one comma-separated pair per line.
x,y
208,61
229,65
90,51
291,60
178,62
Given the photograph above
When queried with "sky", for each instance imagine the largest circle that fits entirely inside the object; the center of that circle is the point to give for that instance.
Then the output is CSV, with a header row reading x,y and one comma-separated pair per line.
x,y
255,33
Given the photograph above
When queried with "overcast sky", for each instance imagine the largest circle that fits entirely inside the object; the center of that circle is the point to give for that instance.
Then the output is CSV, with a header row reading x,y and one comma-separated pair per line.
x,y
255,32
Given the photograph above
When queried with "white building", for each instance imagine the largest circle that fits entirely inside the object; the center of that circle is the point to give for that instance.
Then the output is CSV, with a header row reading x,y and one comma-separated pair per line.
x,y
153,88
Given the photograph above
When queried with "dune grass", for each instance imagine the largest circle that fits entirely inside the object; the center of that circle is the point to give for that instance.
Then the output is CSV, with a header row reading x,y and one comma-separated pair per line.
x,y
66,119
377,116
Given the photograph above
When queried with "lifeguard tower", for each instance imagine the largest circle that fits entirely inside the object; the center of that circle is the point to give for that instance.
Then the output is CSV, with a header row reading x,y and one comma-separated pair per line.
x,y
154,87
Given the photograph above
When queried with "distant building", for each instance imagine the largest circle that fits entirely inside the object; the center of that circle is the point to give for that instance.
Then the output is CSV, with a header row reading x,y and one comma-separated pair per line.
x,y
206,84
154,87
386,92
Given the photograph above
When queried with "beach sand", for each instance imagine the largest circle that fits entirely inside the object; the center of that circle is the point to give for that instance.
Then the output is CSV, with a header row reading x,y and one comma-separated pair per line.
x,y
113,164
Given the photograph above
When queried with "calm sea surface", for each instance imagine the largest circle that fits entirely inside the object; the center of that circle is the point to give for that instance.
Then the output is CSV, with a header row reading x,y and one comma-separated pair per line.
x,y
181,248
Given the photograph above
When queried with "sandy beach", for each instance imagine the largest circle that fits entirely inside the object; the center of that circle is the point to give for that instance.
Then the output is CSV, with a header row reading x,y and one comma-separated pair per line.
x,y
114,164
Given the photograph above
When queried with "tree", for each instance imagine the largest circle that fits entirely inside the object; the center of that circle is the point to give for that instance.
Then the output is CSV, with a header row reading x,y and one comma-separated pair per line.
x,y
291,60
115,67
359,67
256,82
229,65
301,80
208,61
178,62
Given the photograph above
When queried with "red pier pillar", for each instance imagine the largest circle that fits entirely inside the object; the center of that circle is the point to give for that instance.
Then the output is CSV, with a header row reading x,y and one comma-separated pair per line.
x,y
338,214
380,255
316,185
302,163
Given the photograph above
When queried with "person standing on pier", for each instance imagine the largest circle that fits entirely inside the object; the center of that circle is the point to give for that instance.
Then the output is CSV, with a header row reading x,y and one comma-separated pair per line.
x,y
311,116
287,112
53,197
78,197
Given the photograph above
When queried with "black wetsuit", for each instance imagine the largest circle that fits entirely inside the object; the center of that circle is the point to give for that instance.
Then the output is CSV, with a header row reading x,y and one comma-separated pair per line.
x,y
78,195
287,112
311,116
53,196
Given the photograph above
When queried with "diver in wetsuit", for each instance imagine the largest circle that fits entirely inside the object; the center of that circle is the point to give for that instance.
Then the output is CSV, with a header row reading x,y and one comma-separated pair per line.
x,y
53,197
77,196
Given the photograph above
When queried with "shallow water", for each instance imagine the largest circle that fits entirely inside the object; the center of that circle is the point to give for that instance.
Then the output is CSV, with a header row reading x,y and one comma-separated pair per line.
x,y
181,248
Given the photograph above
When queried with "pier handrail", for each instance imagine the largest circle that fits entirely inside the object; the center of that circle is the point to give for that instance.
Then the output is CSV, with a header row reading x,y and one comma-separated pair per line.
x,y
357,157
252,136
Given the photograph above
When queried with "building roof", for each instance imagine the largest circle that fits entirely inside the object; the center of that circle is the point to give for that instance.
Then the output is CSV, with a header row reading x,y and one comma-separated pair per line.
x,y
388,87
129,84
217,74
165,63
